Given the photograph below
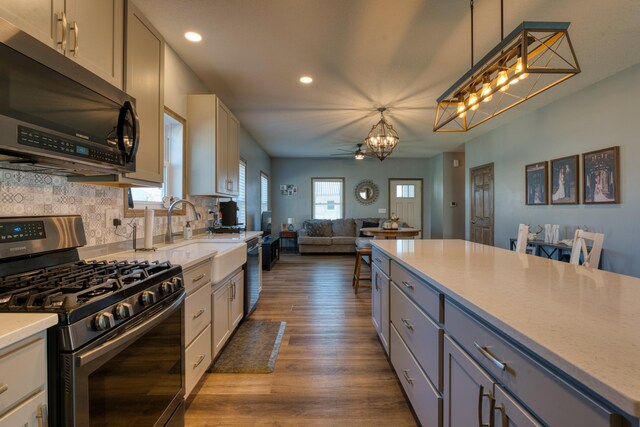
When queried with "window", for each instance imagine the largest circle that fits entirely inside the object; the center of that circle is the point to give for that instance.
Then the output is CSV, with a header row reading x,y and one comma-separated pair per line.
x,y
173,182
327,198
264,192
405,191
242,194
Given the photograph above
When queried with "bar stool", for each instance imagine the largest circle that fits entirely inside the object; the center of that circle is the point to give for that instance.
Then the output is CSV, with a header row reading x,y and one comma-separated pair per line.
x,y
360,253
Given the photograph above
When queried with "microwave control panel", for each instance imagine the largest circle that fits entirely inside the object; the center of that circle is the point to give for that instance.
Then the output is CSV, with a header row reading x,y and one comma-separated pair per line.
x,y
50,142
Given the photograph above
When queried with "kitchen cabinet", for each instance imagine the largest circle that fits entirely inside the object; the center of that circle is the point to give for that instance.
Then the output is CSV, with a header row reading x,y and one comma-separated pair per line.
x,y
228,309
197,322
23,392
213,143
144,80
89,32
380,305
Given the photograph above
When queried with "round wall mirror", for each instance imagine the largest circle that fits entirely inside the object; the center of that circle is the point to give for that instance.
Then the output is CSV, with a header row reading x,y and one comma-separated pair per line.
x,y
366,192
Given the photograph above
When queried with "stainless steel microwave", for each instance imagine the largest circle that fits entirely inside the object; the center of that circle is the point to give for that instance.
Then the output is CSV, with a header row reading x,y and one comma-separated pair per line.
x,y
57,117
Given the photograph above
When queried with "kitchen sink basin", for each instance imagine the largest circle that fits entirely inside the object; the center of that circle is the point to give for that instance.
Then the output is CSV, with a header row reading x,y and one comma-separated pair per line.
x,y
230,256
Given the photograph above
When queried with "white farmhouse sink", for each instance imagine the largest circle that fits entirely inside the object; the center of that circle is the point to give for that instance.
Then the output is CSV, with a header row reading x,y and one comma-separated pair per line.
x,y
230,256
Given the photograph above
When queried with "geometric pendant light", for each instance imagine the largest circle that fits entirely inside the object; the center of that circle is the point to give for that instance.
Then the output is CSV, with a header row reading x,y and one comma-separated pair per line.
x,y
532,58
382,138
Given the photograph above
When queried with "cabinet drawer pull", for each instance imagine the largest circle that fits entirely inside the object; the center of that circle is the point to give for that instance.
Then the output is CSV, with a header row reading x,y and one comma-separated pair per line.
x,y
407,285
492,402
3,388
483,350
199,313
197,279
200,359
405,372
406,323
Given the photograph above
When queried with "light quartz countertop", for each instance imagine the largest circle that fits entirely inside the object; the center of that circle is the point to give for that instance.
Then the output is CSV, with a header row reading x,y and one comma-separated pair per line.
x,y
584,321
18,326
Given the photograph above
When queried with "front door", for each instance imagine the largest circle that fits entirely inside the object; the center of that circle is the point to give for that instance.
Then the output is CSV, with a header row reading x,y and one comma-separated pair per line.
x,y
482,204
405,200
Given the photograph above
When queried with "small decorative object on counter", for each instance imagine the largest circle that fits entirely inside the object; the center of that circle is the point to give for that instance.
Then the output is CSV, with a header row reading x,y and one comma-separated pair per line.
x,y
533,235
187,232
391,224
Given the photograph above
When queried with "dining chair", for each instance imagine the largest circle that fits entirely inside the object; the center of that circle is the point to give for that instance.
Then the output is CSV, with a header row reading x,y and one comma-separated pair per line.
x,y
590,258
523,234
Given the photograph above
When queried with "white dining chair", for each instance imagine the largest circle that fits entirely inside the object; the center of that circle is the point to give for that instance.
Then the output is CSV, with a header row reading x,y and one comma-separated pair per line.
x,y
590,258
523,234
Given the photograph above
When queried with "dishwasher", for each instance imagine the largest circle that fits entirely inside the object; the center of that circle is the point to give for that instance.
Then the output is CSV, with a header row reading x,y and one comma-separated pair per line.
x,y
252,275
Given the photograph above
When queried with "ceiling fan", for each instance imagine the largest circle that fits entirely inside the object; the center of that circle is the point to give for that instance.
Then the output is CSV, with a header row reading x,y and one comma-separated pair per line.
x,y
358,154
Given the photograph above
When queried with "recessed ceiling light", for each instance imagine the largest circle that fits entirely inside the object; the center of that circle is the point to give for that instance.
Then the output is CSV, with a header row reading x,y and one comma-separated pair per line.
x,y
306,80
193,37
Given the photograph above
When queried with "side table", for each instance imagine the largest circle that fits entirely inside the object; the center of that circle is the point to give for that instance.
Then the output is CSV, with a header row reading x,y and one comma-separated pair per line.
x,y
270,251
293,237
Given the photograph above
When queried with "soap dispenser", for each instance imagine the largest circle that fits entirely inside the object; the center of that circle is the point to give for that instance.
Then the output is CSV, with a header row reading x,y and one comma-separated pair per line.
x,y
187,232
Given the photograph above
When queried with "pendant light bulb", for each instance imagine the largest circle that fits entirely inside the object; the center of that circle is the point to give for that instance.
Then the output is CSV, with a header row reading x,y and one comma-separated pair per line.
x,y
462,112
502,80
472,102
519,69
486,91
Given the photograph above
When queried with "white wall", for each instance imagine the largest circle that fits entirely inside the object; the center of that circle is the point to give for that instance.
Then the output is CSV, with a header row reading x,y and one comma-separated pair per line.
x,y
602,115
179,81
257,160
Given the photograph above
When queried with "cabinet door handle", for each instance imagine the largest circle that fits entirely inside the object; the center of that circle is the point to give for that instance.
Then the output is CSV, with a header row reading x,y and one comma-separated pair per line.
x,y
407,285
406,323
377,286
405,372
63,32
199,313
3,388
503,414
197,279
42,416
74,28
200,359
485,352
492,401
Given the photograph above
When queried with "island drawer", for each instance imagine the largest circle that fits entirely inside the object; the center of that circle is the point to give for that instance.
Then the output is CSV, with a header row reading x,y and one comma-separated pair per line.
x,y
421,335
197,313
550,397
381,260
425,400
197,359
423,294
17,382
197,275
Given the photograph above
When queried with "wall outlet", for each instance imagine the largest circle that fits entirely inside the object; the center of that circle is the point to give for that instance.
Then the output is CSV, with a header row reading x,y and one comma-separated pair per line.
x,y
382,210
110,215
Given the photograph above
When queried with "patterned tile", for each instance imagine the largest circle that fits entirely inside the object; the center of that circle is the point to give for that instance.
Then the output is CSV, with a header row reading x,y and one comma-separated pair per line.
x,y
27,193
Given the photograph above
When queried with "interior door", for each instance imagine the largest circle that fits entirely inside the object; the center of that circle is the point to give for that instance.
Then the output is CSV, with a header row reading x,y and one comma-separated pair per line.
x,y
481,226
405,199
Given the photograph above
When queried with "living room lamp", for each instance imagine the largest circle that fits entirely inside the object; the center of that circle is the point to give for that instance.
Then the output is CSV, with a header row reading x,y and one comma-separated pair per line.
x,y
382,138
532,58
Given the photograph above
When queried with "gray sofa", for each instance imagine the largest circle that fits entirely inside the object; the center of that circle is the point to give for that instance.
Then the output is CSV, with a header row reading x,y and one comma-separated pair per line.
x,y
333,236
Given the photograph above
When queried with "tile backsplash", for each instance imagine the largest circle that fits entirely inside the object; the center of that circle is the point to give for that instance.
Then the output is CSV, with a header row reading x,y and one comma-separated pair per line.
x,y
28,194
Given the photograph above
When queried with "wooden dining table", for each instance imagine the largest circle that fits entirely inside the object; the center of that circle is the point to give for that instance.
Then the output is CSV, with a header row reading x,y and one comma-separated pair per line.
x,y
394,233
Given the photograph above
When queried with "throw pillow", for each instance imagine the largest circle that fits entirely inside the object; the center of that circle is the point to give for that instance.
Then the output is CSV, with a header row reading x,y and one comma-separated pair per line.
x,y
367,224
317,228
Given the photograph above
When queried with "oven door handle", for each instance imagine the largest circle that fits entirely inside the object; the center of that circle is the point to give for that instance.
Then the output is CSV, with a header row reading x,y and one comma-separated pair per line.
x,y
130,335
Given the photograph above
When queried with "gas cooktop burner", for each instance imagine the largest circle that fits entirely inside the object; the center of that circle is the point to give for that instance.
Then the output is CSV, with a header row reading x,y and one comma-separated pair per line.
x,y
66,287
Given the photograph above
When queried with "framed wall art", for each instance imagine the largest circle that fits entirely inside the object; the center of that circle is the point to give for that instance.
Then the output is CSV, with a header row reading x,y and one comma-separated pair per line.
x,y
564,181
537,183
601,177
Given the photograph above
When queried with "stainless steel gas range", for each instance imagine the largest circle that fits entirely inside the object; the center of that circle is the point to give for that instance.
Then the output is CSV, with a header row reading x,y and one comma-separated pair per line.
x,y
116,357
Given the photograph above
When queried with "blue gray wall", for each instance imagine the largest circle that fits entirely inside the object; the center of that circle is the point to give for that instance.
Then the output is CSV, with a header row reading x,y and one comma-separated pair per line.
x,y
602,115
257,160
300,171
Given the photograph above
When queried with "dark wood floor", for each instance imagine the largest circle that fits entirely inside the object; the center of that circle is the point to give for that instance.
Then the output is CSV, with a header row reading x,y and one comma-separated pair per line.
x,y
331,369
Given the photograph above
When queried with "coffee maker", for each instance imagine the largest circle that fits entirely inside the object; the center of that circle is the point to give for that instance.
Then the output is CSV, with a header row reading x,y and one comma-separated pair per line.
x,y
229,212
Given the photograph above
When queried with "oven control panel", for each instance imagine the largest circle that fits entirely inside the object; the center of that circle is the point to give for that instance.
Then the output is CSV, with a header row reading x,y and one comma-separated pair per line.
x,y
20,231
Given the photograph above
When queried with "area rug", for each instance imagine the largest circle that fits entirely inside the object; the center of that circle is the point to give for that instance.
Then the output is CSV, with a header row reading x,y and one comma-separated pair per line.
x,y
253,349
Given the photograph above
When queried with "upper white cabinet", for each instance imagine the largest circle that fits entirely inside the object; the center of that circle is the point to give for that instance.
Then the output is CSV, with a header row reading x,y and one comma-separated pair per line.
x,y
144,80
214,155
88,31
